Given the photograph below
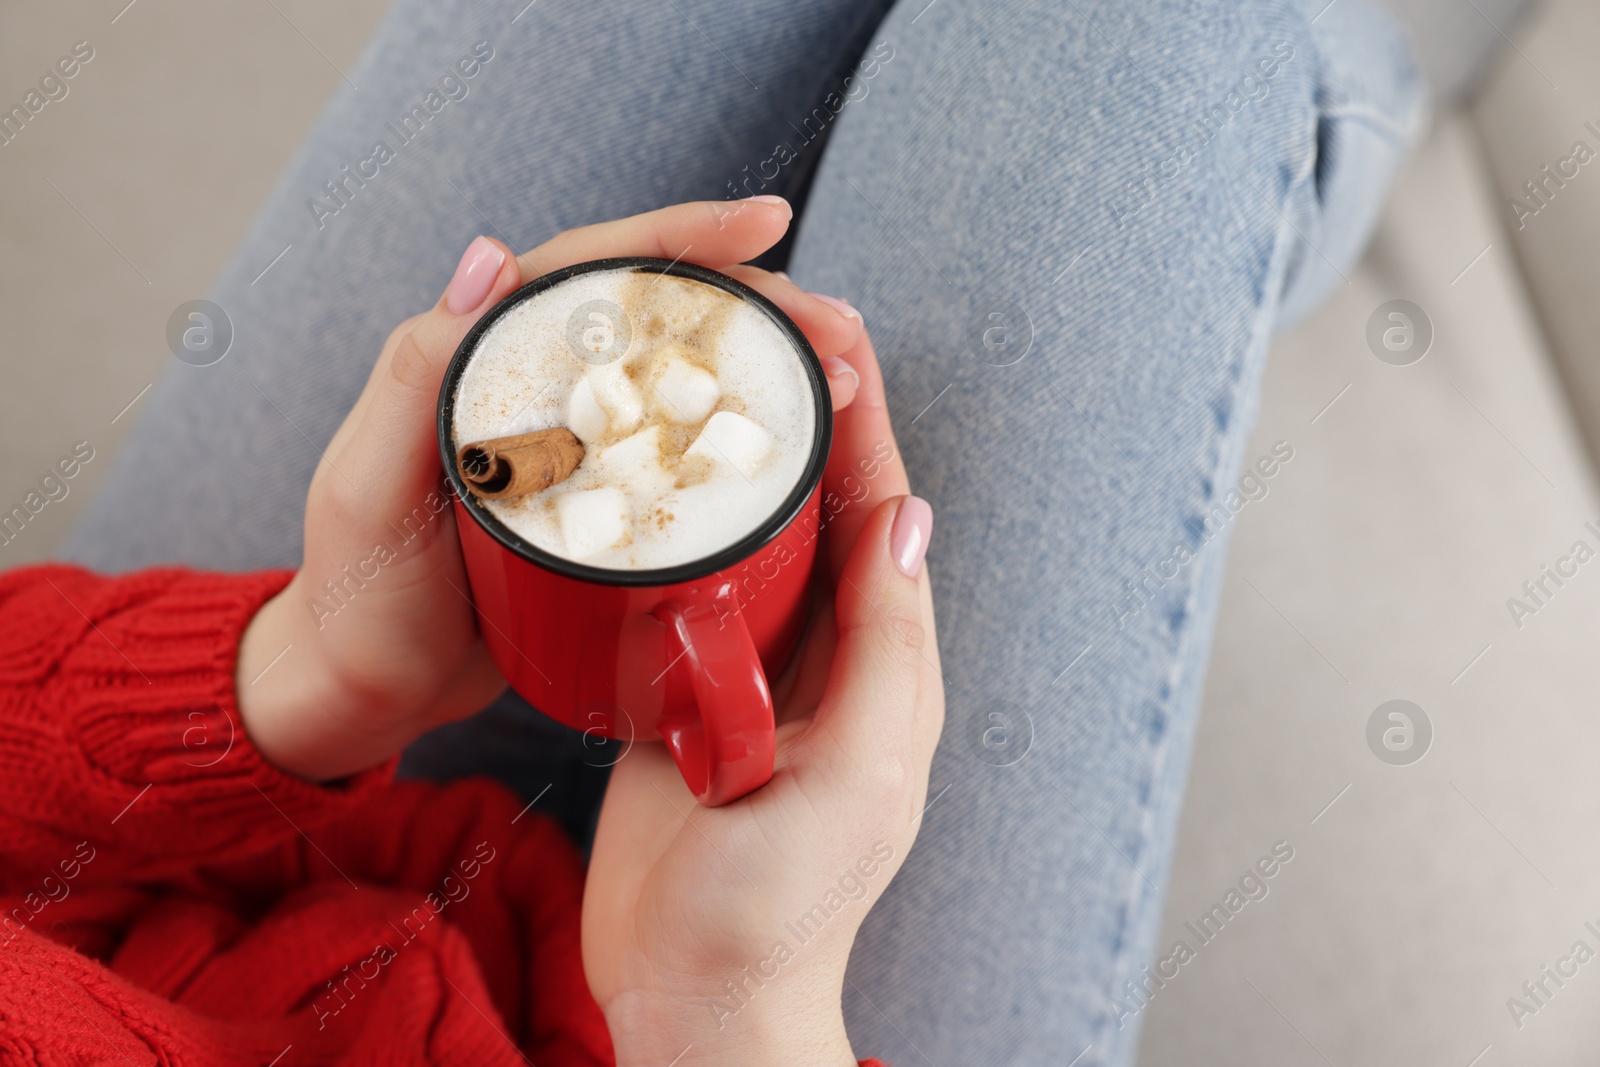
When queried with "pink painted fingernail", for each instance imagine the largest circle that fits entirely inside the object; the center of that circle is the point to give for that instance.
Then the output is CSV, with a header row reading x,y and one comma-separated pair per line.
x,y
841,306
834,367
908,537
475,276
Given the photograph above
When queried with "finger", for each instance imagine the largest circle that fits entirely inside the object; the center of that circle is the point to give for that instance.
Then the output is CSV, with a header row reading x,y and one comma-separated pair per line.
x,y
390,450
929,714
884,665
831,325
709,232
643,810
864,468
842,382
353,417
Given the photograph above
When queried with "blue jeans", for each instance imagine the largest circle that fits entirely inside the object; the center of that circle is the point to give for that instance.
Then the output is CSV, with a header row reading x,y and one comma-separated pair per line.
x,y
1072,229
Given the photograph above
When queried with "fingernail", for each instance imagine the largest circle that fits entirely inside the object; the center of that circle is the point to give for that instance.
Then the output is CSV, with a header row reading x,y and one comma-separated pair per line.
x,y
776,201
834,367
842,307
908,537
474,276
783,275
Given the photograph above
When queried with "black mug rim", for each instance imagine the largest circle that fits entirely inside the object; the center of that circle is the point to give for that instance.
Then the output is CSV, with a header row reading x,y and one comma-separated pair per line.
x,y
694,570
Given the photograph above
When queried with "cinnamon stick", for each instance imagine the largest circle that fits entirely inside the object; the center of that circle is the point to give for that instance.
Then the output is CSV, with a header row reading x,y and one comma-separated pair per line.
x,y
522,464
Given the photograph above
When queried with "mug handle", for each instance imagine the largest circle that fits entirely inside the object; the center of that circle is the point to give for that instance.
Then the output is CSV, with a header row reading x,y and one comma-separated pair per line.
x,y
724,747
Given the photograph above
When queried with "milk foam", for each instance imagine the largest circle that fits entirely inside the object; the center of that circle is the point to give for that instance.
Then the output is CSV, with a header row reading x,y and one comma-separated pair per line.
x,y
693,438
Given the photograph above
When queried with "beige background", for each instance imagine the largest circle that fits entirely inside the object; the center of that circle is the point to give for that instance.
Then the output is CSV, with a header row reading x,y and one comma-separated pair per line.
x,y
167,142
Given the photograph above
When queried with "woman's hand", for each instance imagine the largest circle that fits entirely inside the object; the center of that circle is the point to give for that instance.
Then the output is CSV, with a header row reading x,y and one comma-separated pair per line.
x,y
721,935
376,633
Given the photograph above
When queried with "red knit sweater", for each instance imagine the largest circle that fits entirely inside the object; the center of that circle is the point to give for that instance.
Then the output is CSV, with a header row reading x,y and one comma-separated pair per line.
x,y
166,896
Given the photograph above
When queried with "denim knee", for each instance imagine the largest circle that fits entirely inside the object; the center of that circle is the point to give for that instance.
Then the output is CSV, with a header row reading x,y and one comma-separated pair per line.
x,y
1371,104
1294,113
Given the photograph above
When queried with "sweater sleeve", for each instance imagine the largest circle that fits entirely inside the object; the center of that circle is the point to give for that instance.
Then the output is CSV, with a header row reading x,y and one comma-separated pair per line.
x,y
121,748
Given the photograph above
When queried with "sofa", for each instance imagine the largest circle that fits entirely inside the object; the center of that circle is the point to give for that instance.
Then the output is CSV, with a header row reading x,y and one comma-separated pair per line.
x,y
1442,903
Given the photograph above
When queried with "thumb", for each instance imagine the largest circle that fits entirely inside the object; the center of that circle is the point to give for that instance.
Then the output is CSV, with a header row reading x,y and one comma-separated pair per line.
x,y
877,702
387,446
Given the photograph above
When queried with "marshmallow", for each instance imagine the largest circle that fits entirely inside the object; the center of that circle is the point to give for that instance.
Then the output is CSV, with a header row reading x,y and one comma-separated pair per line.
x,y
731,440
617,395
585,416
640,452
635,464
592,520
690,392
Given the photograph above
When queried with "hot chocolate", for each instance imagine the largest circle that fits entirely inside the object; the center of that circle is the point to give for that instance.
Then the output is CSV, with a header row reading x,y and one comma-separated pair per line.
x,y
695,411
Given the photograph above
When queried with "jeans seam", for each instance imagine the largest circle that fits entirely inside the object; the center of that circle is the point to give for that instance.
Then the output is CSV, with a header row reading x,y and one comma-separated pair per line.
x,y
1260,335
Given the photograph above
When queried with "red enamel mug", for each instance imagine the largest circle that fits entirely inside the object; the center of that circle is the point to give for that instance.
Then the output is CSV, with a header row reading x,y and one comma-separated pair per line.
x,y
679,653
